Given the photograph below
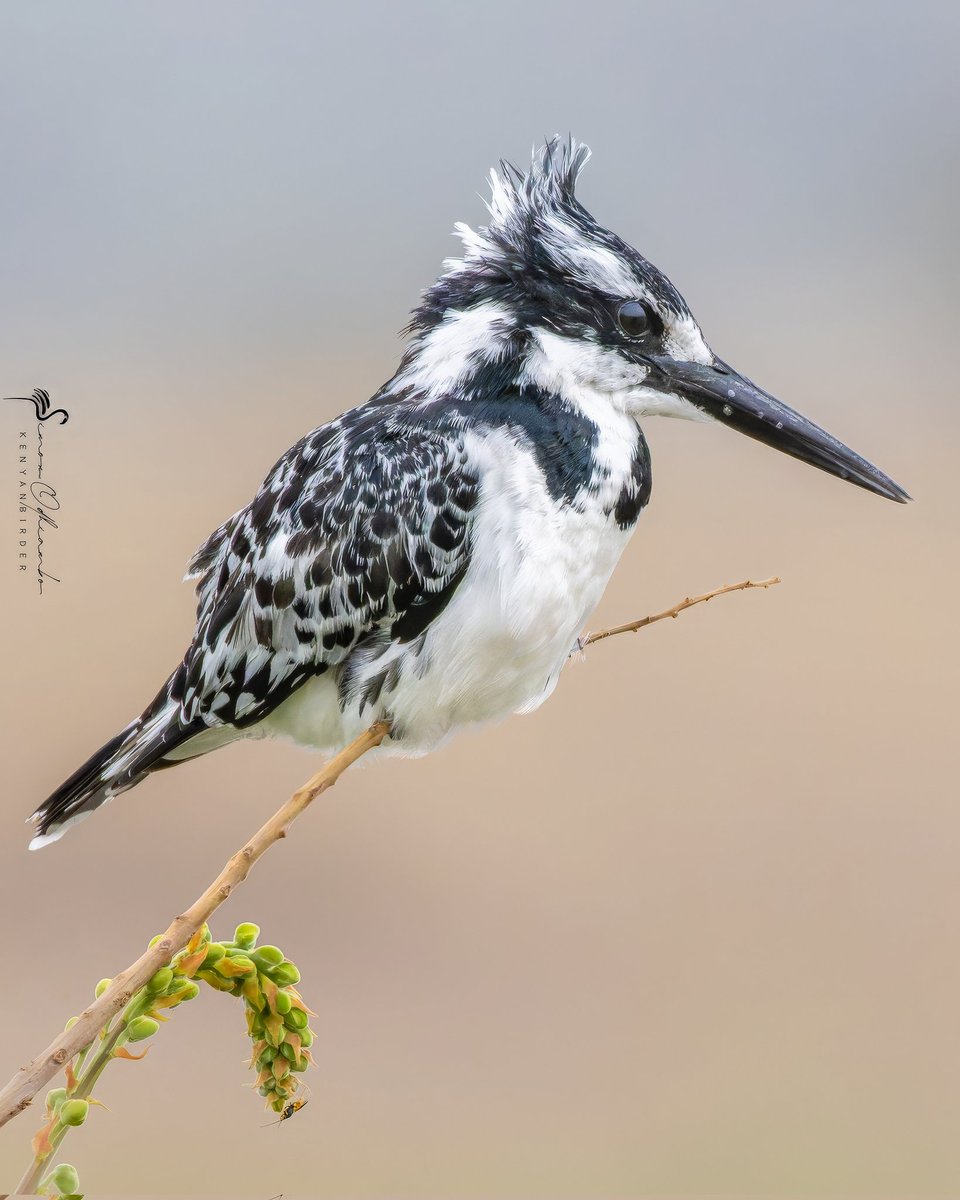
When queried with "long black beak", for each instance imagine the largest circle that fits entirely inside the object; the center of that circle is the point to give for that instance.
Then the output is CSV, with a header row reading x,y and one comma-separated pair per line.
x,y
719,391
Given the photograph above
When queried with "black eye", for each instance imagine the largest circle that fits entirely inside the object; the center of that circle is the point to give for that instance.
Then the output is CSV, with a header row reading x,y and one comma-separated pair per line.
x,y
634,318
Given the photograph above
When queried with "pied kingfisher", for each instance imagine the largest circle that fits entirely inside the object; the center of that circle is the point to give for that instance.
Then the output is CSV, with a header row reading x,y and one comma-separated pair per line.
x,y
431,556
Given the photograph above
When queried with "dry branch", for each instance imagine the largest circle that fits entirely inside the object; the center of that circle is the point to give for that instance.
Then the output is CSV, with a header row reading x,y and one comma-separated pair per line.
x,y
689,602
19,1092
21,1089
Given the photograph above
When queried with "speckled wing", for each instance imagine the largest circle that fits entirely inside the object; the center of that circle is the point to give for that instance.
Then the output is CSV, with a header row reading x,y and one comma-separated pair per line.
x,y
361,531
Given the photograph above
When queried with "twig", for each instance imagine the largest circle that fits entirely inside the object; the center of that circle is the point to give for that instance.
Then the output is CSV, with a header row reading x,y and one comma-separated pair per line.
x,y
633,626
19,1092
21,1089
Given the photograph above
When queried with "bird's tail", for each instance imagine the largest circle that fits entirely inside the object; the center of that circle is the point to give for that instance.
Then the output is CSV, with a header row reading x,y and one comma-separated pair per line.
x,y
121,764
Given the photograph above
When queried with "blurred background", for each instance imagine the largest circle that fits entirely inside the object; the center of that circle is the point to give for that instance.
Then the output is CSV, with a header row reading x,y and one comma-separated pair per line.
x,y
693,926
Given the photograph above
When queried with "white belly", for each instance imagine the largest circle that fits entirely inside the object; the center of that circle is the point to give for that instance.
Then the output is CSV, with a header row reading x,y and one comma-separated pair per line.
x,y
537,571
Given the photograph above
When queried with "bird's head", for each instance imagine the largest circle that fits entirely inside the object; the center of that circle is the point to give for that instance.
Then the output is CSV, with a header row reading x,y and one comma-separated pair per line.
x,y
544,295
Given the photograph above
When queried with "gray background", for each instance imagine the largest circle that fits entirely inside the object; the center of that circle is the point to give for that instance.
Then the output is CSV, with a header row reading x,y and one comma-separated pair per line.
x,y
693,926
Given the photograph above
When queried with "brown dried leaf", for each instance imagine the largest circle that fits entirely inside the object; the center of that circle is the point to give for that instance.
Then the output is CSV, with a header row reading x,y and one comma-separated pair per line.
x,y
189,964
41,1140
123,1052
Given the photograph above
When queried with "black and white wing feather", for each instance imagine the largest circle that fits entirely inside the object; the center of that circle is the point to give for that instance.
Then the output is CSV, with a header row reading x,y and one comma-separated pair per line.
x,y
360,532
356,541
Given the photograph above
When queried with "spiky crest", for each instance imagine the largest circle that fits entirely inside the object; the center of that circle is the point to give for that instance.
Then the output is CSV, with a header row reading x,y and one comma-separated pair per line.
x,y
540,236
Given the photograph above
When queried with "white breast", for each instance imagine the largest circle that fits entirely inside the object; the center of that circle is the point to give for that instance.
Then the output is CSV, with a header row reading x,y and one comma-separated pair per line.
x,y
537,570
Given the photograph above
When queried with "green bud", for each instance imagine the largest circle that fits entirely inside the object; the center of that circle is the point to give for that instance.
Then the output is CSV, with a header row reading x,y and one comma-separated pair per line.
x,y
55,1097
141,1028
190,991
64,1179
73,1112
246,935
284,1003
70,1024
268,956
215,952
296,1018
285,974
161,981
306,1038
102,987
153,941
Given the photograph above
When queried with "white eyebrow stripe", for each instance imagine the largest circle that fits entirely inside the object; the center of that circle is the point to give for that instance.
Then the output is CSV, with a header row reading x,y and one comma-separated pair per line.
x,y
594,264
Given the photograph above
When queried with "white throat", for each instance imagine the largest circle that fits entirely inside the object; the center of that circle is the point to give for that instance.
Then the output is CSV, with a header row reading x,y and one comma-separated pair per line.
x,y
596,379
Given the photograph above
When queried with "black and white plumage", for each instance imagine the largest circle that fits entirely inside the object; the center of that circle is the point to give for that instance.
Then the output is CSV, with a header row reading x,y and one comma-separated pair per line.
x,y
431,556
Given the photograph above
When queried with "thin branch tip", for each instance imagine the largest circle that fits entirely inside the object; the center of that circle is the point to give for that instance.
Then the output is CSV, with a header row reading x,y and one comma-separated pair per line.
x,y
687,602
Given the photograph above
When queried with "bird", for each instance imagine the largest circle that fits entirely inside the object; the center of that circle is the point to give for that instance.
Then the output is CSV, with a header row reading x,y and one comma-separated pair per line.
x,y
430,557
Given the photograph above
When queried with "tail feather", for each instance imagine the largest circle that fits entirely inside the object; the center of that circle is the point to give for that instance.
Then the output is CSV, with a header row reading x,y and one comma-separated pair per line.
x,y
120,764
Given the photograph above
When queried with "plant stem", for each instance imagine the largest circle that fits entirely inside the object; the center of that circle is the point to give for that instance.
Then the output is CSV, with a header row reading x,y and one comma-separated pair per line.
x,y
113,1038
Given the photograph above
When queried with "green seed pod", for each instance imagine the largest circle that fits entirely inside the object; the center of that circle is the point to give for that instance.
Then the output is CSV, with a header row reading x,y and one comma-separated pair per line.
x,y
300,1065
246,935
73,1112
102,987
288,1051
64,1178
285,974
306,1037
141,1028
267,1088
55,1097
268,956
215,952
161,981
267,1055
284,1003
296,1018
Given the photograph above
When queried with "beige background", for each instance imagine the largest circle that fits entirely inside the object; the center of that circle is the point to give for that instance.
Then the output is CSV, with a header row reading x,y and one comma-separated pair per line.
x,y
693,926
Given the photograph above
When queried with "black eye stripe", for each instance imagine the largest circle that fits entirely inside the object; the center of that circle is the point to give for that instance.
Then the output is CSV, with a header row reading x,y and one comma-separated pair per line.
x,y
635,319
